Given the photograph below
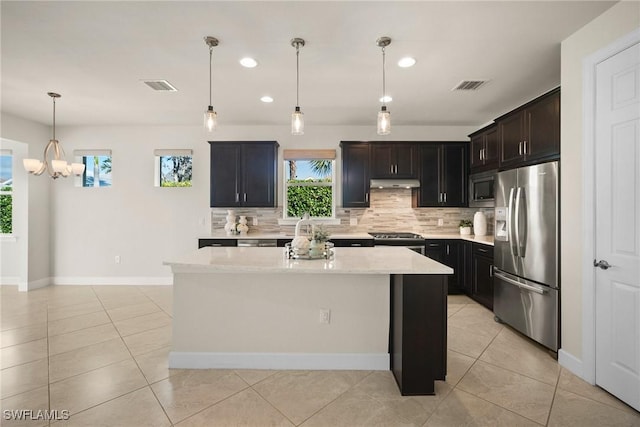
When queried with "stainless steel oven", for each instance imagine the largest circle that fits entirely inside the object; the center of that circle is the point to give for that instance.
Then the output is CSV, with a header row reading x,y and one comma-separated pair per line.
x,y
481,190
412,241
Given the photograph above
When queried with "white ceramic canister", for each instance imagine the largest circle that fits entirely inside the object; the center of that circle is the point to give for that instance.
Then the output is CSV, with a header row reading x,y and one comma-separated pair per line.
x,y
479,224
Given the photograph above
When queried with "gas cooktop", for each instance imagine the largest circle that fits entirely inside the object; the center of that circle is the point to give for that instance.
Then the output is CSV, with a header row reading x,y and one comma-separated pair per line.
x,y
387,235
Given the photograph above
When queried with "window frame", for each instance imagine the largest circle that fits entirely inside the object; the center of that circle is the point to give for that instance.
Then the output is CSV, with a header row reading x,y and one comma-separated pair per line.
x,y
80,157
10,193
308,155
159,154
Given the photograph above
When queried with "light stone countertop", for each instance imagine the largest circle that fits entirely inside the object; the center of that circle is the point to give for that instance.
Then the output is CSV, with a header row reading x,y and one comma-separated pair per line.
x,y
485,240
361,260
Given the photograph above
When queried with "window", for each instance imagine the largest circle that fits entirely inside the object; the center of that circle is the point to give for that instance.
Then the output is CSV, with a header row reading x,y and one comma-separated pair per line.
x,y
173,168
97,170
309,183
6,192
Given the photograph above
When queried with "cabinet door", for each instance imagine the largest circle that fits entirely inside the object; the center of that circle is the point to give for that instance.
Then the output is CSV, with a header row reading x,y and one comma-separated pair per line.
x,y
224,174
259,175
483,280
453,257
405,160
355,175
429,193
477,147
510,137
490,155
454,175
434,249
468,267
382,161
542,134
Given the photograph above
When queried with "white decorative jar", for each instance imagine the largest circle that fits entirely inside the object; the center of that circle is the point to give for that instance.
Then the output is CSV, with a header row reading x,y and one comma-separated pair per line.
x,y
479,224
230,226
242,226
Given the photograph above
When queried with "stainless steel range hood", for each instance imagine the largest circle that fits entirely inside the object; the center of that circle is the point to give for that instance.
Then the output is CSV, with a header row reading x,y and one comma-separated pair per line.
x,y
395,183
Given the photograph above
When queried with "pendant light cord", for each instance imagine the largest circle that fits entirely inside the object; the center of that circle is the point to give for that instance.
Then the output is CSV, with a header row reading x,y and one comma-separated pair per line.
x,y
54,118
297,74
210,73
384,91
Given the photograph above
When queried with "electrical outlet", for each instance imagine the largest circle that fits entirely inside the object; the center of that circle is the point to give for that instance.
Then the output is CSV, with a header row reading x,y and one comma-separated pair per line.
x,y
353,221
254,220
117,259
440,222
325,316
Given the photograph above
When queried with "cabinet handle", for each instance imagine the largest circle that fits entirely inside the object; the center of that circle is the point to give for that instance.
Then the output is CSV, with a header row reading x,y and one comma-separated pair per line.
x,y
391,169
520,148
237,197
366,197
445,197
491,270
434,245
482,154
482,250
447,249
356,244
245,197
524,145
216,245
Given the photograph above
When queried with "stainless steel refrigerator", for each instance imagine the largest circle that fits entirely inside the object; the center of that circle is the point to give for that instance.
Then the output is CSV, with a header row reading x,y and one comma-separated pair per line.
x,y
526,254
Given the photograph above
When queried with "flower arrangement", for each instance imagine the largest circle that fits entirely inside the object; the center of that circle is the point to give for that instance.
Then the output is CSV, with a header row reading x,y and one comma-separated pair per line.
x,y
465,226
320,234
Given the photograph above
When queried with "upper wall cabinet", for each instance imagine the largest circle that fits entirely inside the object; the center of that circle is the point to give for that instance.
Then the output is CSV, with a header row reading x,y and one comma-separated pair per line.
x,y
243,174
443,175
531,133
355,174
483,154
396,160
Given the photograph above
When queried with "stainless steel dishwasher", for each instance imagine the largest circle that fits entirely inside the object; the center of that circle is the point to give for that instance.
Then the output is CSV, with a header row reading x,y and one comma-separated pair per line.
x,y
260,243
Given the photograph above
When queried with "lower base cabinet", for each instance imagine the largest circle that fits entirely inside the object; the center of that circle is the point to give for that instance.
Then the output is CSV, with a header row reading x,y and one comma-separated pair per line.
x,y
451,253
482,274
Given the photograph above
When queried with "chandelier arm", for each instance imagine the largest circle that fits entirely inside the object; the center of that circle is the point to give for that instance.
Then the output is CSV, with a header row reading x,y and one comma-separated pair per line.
x,y
46,163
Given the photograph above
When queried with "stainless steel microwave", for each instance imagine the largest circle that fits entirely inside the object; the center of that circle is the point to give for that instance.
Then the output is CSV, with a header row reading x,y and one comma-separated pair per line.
x,y
481,190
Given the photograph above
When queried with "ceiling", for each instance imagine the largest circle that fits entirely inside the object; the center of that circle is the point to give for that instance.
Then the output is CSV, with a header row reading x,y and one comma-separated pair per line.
x,y
96,54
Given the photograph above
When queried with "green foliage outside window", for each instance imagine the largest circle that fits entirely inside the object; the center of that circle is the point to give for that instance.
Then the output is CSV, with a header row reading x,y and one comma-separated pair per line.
x,y
6,212
312,199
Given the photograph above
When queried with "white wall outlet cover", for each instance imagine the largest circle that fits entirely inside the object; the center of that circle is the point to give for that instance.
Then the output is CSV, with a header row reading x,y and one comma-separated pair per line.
x,y
325,316
440,222
254,220
353,221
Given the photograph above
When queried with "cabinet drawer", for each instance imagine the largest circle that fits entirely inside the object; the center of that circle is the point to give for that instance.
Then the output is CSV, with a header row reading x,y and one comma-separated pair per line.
x,y
344,243
217,242
483,250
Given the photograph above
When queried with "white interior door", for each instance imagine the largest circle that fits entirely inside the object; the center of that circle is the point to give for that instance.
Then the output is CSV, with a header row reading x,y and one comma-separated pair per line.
x,y
618,225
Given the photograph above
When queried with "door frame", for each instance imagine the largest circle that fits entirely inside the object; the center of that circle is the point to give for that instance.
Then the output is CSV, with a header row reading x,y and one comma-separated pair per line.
x,y
589,64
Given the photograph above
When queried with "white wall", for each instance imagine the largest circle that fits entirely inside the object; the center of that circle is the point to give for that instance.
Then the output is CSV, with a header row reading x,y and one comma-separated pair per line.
x,y
144,224
36,137
616,22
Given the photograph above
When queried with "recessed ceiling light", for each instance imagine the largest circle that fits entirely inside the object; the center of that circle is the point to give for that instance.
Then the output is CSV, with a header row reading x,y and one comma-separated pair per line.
x,y
386,98
266,99
248,62
406,62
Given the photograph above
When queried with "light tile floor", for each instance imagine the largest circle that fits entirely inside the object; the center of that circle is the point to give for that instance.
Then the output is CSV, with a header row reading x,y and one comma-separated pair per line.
x,y
100,352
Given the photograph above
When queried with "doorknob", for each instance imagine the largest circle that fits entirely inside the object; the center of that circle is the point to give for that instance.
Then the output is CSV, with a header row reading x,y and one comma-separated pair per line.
x,y
602,264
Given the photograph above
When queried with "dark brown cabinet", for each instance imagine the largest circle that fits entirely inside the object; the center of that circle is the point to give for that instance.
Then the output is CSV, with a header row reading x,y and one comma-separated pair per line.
x,y
355,174
443,175
451,253
217,242
483,154
531,133
482,274
396,160
243,174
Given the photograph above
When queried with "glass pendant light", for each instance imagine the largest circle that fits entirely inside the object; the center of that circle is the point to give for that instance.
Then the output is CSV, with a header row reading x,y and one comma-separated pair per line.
x,y
210,116
57,166
384,115
297,117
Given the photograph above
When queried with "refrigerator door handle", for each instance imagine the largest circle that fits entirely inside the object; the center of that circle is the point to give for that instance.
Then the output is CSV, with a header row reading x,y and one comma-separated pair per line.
x,y
517,214
518,284
510,218
523,220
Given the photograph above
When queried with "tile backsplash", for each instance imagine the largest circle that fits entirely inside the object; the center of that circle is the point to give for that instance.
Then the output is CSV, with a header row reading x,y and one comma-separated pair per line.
x,y
390,210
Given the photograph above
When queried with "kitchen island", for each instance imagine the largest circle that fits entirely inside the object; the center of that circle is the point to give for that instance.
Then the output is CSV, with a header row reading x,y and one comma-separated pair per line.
x,y
366,308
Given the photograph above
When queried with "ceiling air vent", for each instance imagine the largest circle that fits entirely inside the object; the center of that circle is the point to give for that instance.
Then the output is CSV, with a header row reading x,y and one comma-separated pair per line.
x,y
161,85
470,85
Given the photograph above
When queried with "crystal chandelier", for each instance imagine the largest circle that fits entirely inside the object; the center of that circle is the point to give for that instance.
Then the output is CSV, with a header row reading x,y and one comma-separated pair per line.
x,y
57,166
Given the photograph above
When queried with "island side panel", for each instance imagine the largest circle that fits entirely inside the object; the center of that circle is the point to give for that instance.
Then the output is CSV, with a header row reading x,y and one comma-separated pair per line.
x,y
272,320
419,332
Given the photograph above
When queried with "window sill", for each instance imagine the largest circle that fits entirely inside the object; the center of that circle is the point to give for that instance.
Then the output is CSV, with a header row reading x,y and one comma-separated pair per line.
x,y
323,221
10,238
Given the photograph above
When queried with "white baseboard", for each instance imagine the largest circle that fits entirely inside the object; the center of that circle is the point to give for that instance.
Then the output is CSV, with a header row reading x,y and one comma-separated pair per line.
x,y
283,361
118,281
570,362
40,283
9,280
